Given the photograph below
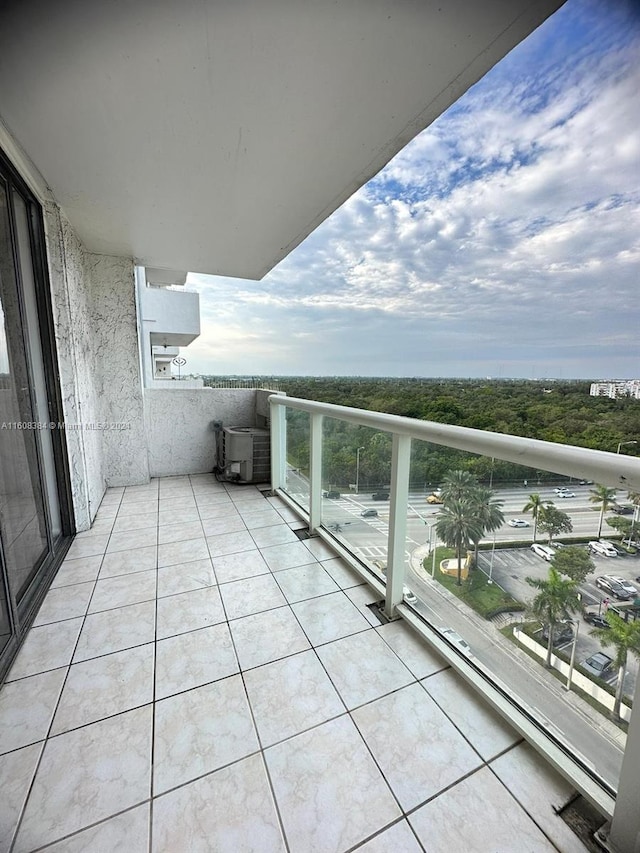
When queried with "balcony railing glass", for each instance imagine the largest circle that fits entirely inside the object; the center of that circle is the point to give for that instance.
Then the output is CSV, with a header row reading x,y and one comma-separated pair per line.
x,y
372,486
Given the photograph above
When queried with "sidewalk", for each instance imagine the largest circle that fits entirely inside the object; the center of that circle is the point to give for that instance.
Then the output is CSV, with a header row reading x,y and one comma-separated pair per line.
x,y
597,719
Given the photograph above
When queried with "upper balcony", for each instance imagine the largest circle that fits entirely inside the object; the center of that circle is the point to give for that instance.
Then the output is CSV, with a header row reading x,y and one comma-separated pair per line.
x,y
170,316
210,671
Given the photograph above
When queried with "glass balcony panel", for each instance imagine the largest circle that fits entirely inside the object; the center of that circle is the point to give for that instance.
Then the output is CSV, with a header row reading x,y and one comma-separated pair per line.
x,y
298,442
488,617
356,471
484,604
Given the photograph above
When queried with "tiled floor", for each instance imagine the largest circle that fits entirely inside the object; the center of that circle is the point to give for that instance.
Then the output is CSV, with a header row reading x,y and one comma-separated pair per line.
x,y
198,679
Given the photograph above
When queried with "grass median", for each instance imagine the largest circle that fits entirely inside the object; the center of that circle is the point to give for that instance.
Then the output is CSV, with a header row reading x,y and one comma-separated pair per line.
x,y
485,598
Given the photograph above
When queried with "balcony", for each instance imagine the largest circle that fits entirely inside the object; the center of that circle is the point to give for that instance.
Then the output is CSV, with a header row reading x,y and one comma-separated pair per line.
x,y
204,674
201,676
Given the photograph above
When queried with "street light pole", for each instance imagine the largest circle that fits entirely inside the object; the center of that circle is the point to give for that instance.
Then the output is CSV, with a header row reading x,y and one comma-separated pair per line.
x,y
623,443
493,551
573,653
358,468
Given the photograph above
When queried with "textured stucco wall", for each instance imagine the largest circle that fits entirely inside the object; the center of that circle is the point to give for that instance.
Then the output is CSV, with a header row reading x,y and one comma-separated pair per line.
x,y
76,361
117,367
179,434
94,313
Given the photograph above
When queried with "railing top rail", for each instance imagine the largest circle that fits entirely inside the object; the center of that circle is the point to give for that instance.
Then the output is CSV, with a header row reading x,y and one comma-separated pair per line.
x,y
609,469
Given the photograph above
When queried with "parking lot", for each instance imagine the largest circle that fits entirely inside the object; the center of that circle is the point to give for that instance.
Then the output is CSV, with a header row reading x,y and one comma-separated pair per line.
x,y
509,568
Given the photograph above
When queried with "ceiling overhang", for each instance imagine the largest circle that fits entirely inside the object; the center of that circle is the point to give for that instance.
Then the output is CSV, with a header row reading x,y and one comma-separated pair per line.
x,y
214,136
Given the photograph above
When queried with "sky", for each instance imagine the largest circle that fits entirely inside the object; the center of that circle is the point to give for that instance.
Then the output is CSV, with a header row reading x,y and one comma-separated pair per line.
x,y
503,241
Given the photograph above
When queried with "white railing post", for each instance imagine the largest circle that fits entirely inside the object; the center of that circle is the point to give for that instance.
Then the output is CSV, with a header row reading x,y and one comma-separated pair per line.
x,y
315,473
625,827
278,446
397,543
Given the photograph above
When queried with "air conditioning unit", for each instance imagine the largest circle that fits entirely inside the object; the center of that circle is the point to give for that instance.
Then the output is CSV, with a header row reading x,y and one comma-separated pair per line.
x,y
244,455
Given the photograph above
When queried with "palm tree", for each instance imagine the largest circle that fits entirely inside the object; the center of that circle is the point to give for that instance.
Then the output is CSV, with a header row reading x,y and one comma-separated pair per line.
x,y
624,637
457,485
488,511
534,505
604,496
457,526
634,497
556,600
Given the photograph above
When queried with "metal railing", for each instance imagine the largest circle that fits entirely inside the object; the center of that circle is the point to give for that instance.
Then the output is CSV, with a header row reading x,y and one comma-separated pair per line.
x,y
609,469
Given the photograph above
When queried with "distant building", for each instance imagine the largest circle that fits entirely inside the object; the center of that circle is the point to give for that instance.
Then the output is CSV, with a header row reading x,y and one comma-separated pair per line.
x,y
616,388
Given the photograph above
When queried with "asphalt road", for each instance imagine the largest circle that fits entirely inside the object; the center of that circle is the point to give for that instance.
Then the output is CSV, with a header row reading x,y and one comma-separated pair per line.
x,y
538,689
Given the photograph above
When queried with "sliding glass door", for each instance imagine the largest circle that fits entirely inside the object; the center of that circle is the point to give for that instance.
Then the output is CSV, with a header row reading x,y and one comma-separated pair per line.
x,y
34,506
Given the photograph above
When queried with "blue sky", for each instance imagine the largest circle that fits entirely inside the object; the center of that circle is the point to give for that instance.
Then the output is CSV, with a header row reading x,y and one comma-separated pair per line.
x,y
503,241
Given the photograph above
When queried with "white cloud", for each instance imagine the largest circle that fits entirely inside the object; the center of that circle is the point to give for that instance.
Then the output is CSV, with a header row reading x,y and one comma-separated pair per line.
x,y
506,235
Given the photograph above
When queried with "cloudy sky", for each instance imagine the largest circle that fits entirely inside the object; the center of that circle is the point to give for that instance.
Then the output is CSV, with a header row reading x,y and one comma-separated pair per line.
x,y
503,241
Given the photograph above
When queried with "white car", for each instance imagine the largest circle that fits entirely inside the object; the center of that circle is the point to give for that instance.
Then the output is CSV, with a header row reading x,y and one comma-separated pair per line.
x,y
408,596
543,551
560,490
456,640
566,494
517,522
626,585
603,548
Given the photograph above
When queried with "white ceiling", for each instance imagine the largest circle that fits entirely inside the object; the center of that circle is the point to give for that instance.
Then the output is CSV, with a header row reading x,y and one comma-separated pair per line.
x,y
215,135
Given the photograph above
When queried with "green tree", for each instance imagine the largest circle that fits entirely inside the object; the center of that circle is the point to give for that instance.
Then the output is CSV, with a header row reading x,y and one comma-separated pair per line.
x,y
621,525
606,498
553,521
573,562
556,600
457,525
457,485
634,497
487,510
534,505
625,638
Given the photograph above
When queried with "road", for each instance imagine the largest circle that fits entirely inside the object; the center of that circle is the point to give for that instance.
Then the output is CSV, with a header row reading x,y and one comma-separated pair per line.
x,y
557,708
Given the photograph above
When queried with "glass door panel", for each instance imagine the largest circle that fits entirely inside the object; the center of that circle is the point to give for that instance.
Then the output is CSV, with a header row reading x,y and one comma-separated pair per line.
x,y
22,513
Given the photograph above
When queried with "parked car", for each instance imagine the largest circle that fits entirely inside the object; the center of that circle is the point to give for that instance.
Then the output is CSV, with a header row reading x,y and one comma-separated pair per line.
x,y
369,513
621,509
543,551
604,549
562,633
518,522
612,586
455,639
626,585
596,620
380,496
600,666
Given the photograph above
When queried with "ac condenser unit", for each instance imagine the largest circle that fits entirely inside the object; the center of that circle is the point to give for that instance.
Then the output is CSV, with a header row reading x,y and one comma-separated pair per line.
x,y
245,455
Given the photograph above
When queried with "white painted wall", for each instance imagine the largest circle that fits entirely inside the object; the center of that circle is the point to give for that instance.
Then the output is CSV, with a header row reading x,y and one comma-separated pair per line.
x,y
178,426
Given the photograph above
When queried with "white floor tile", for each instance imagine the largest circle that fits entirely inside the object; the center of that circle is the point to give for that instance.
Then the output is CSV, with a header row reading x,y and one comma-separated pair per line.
x,y
86,776
330,793
291,695
201,730
228,811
